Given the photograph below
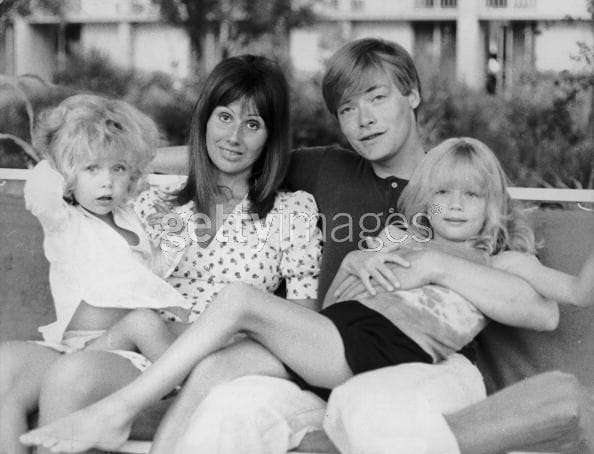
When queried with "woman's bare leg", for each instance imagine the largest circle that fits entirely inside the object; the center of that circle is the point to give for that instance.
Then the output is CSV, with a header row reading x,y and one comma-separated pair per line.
x,y
23,367
240,359
305,340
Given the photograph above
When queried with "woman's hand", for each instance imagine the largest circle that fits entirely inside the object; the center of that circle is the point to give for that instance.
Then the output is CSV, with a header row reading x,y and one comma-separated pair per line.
x,y
365,266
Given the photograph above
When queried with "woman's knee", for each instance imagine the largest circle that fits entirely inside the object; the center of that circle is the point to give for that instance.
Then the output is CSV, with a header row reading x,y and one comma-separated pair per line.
x,y
235,298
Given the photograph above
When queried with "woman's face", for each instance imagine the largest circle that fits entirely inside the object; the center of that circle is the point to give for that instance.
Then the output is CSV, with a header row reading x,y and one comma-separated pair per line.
x,y
235,138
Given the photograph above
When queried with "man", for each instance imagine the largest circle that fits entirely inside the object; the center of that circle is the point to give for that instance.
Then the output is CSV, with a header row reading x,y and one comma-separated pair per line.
x,y
372,88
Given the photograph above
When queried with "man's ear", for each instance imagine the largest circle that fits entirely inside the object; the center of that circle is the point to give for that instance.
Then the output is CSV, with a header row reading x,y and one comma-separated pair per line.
x,y
414,99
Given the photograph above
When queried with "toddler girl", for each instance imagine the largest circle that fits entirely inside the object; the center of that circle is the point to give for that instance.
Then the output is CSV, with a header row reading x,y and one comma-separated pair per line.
x,y
96,152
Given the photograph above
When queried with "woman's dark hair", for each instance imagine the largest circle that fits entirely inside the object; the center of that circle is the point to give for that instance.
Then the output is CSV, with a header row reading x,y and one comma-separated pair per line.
x,y
259,81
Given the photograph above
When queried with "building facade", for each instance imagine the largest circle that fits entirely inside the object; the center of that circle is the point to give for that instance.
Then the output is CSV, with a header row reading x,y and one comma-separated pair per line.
x,y
482,43
472,41
130,32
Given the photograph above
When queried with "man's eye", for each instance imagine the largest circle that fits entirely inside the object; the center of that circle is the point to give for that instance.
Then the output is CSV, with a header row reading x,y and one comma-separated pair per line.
x,y
345,110
379,97
91,168
120,168
441,191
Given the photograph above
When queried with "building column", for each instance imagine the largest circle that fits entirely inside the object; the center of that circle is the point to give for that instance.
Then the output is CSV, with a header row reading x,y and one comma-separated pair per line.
x,y
34,49
470,58
125,55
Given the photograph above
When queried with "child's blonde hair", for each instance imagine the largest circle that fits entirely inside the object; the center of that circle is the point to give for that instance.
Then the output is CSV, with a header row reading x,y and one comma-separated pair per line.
x,y
84,127
463,161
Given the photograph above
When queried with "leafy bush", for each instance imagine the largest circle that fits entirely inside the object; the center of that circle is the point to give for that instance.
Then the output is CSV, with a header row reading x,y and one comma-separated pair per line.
x,y
533,130
538,131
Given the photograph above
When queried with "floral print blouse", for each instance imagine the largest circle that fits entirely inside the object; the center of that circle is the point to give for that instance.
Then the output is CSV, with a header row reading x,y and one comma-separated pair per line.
x,y
286,244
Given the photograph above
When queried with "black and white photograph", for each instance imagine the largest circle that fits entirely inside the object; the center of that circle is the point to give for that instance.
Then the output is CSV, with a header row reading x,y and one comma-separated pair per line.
x,y
297,226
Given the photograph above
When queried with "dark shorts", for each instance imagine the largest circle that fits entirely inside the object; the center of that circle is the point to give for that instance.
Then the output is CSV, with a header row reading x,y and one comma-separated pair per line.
x,y
371,341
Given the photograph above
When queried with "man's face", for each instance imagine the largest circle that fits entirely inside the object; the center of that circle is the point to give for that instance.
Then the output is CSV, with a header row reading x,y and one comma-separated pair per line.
x,y
377,121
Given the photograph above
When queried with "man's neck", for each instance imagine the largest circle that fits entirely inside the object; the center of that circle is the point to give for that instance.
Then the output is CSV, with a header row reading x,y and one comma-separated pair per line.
x,y
402,165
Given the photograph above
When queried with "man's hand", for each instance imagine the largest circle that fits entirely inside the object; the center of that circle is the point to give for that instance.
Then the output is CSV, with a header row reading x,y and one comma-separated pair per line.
x,y
367,265
549,412
408,268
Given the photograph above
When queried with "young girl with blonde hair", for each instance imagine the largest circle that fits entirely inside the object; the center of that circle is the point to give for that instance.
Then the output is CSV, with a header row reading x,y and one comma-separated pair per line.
x,y
459,192
96,153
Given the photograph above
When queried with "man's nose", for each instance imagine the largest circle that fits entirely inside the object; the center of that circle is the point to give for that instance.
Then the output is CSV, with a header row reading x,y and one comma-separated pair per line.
x,y
366,116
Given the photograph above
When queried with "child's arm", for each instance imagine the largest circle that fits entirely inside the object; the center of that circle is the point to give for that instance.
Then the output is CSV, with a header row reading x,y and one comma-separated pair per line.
x,y
585,283
44,192
550,283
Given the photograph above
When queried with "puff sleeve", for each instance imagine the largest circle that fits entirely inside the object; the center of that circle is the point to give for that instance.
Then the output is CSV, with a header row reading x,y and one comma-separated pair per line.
x,y
301,246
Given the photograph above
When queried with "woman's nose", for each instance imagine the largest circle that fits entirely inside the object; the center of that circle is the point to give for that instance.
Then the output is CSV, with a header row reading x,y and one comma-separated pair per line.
x,y
234,134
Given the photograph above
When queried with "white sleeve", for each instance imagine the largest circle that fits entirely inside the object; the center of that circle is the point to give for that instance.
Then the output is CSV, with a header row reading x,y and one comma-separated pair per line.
x,y
44,191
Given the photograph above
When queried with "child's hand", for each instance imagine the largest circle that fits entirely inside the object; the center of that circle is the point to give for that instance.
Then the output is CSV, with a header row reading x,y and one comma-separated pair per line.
x,y
367,265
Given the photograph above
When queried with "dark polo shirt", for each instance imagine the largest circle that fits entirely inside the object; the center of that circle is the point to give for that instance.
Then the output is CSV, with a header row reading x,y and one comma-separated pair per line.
x,y
353,201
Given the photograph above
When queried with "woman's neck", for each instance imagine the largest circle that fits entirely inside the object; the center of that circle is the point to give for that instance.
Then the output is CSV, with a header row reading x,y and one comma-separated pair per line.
x,y
232,188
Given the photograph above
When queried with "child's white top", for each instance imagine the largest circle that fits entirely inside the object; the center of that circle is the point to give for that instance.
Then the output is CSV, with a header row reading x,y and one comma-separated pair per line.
x,y
89,260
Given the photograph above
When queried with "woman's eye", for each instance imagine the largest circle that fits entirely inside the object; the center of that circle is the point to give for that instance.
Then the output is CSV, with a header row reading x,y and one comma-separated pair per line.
x,y
92,168
441,192
253,125
472,194
379,97
224,117
120,168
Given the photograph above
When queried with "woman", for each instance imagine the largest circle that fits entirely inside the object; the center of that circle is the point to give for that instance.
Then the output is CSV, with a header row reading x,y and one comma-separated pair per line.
x,y
238,158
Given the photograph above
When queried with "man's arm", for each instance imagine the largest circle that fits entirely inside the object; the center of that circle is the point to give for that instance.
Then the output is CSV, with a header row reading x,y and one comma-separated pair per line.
x,y
549,412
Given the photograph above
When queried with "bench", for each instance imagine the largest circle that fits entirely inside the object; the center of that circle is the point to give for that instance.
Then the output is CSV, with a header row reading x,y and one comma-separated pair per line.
x,y
506,354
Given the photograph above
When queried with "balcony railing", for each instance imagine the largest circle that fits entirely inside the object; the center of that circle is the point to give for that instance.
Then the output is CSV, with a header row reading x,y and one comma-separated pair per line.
x,y
436,3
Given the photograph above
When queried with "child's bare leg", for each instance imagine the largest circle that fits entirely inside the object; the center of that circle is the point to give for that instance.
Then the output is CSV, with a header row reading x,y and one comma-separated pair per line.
x,y
23,366
238,360
141,329
77,380
308,342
